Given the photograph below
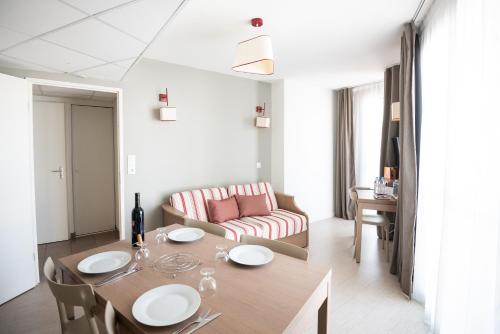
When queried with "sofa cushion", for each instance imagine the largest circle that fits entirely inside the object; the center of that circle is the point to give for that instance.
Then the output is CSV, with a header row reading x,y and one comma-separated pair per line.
x,y
252,205
279,224
194,202
255,189
221,210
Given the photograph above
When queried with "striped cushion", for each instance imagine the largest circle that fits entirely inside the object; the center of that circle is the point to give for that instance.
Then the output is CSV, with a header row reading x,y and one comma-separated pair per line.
x,y
279,224
255,189
194,202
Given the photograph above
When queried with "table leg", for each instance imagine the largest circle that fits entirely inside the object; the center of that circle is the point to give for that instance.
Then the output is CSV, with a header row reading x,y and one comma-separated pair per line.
x,y
323,318
359,229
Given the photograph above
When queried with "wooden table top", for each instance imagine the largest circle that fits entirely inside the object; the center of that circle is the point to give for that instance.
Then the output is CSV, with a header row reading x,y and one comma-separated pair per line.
x,y
368,196
263,299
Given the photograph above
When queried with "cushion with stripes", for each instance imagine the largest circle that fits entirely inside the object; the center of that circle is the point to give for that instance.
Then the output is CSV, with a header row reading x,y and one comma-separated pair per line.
x,y
194,202
279,224
255,189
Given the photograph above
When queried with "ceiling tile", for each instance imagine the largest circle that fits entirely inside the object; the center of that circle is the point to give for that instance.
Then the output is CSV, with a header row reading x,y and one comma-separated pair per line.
x,y
142,19
106,72
52,56
95,6
34,17
9,38
97,39
125,63
10,62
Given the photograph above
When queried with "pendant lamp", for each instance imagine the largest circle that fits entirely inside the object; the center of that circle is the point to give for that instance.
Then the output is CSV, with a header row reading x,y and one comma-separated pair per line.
x,y
255,55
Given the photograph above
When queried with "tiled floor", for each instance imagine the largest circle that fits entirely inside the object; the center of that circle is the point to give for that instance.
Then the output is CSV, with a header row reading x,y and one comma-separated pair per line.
x,y
366,298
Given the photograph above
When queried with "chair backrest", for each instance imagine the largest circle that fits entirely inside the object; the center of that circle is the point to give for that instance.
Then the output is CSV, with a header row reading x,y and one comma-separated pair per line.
x,y
207,227
277,246
69,296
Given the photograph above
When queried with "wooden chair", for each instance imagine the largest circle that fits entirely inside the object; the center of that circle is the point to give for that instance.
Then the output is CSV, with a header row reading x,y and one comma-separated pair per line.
x,y
276,246
82,295
376,220
207,227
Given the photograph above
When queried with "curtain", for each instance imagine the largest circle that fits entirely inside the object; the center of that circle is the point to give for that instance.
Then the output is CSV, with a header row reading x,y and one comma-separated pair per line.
x,y
368,109
389,129
457,256
344,162
402,262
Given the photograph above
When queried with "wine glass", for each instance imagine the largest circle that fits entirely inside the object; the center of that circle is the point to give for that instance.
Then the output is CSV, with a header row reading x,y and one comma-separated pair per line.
x,y
142,255
161,235
221,253
208,285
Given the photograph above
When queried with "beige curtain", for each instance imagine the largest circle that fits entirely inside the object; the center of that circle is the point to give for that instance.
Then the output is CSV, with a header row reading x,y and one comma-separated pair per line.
x,y
389,129
344,162
404,234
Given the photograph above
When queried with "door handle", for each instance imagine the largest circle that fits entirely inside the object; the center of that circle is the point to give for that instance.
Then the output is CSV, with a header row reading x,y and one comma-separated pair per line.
x,y
60,171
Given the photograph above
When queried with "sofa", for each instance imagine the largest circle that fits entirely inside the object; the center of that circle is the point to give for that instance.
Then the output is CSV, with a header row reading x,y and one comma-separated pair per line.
x,y
286,222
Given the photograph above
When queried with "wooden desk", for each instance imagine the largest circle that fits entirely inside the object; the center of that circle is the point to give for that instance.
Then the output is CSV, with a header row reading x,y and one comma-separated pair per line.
x,y
367,201
283,296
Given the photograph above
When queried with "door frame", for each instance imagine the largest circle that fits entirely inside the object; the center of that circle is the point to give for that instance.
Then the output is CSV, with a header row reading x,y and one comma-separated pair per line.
x,y
119,165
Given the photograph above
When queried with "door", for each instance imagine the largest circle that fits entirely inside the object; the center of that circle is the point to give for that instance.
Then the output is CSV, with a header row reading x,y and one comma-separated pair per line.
x,y
50,171
93,169
17,199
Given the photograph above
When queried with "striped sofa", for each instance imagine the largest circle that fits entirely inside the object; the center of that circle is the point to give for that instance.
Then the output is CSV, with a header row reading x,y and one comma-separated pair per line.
x,y
286,221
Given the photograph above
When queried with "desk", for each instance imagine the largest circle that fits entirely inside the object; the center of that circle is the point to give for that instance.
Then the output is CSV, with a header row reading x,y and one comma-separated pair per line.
x,y
367,201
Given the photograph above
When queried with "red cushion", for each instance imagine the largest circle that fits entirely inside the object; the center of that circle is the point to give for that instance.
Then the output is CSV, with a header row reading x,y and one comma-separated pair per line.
x,y
221,210
252,205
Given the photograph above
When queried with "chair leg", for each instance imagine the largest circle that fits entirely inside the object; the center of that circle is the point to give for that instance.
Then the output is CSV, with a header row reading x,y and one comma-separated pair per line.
x,y
387,241
354,239
383,237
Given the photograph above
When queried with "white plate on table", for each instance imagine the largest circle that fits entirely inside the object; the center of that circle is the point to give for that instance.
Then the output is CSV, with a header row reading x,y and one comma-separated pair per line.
x,y
104,262
166,305
251,255
186,234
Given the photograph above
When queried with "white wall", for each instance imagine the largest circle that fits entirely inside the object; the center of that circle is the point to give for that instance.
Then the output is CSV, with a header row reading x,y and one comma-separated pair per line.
x,y
277,136
213,142
307,116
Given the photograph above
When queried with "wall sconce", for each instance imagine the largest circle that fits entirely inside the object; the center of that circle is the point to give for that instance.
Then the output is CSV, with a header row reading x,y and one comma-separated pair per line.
x,y
167,113
262,121
395,111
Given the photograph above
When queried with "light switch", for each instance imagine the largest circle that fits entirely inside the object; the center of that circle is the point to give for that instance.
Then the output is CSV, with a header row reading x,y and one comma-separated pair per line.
x,y
131,164
259,165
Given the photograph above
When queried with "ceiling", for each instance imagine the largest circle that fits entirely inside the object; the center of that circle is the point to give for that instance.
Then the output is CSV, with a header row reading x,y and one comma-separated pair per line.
x,y
72,93
89,38
332,43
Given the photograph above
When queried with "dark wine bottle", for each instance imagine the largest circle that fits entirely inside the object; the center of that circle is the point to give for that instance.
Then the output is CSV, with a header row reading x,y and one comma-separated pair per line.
x,y
137,221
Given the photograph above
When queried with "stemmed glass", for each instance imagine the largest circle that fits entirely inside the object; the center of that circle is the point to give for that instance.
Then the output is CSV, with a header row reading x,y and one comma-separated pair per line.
x,y
161,235
142,255
208,285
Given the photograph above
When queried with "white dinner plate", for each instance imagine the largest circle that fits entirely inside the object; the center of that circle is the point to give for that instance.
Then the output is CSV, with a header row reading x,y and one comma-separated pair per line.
x,y
104,262
166,305
251,255
186,234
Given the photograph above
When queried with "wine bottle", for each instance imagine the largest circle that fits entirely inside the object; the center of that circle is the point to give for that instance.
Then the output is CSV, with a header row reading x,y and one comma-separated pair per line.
x,y
137,221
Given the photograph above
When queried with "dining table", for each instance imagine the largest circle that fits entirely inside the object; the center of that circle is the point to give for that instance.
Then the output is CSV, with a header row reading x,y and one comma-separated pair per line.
x,y
286,295
368,201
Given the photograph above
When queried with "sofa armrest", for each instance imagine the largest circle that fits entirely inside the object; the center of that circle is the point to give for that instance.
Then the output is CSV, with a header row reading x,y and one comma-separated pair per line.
x,y
173,216
287,202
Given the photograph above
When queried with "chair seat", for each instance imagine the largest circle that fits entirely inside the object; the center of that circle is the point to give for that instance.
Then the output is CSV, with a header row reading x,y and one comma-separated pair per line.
x,y
375,220
81,326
